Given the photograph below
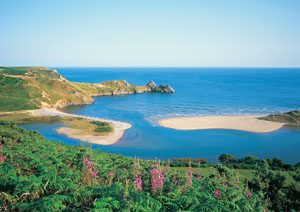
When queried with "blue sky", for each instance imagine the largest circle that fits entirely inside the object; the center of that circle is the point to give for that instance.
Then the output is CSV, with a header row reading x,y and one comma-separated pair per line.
x,y
150,33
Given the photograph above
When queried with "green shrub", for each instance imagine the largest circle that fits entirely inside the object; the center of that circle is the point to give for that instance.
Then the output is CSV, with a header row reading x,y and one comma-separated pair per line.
x,y
103,127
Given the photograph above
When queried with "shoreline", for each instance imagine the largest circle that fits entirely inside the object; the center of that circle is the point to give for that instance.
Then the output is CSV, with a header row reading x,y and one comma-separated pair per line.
x,y
249,123
114,137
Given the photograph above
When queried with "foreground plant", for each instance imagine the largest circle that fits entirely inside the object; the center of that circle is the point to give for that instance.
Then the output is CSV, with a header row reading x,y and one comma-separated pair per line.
x,y
38,175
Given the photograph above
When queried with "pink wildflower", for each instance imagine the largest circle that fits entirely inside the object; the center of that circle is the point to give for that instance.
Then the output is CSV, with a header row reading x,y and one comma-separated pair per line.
x,y
248,193
138,183
94,173
90,164
157,179
217,193
189,175
2,158
189,181
199,177
86,160
168,168
111,174
175,180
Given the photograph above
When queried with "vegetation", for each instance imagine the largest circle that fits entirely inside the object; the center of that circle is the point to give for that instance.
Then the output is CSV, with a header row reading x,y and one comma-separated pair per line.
x,y
251,162
84,125
25,118
27,88
103,127
88,127
292,117
39,175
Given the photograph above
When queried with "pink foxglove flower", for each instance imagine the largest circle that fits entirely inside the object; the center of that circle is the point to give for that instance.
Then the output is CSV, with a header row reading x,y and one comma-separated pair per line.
x,y
86,160
199,177
138,183
189,175
248,193
2,158
217,193
157,179
189,181
94,173
168,168
111,174
90,164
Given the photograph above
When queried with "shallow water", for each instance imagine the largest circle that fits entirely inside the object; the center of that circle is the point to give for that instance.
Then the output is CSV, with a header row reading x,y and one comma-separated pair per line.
x,y
198,91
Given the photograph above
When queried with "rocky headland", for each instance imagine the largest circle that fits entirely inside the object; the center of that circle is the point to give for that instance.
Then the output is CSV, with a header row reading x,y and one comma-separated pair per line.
x,y
28,88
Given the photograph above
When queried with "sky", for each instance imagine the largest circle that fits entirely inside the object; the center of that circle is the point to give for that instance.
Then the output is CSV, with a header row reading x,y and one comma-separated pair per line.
x,y
150,33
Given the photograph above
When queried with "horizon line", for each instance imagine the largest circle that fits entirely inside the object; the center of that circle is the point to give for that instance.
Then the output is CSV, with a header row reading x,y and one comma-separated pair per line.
x,y
109,66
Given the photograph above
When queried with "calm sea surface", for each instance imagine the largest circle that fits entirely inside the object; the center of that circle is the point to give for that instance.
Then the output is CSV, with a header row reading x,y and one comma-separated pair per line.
x,y
198,91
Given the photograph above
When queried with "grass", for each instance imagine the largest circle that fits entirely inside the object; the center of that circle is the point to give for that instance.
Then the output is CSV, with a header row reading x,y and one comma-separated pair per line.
x,y
24,118
30,88
13,104
13,71
103,127
245,174
88,127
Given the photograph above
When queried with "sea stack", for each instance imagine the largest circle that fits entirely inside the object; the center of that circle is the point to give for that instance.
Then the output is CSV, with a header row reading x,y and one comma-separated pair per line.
x,y
161,88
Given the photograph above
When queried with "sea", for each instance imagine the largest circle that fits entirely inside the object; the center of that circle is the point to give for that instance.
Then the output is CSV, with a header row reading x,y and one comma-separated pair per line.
x,y
199,91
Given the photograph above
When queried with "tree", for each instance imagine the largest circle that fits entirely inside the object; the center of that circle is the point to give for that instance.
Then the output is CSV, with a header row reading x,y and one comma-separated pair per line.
x,y
227,158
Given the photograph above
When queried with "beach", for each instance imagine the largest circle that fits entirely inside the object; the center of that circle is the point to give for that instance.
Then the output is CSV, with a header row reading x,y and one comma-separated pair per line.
x,y
198,93
115,136
249,123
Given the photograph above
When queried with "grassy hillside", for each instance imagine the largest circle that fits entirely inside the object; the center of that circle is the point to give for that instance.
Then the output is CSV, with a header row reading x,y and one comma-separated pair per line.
x,y
26,88
292,117
116,87
39,175
37,87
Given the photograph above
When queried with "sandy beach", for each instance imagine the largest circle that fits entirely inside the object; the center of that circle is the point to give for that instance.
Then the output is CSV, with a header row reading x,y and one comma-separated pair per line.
x,y
249,123
119,127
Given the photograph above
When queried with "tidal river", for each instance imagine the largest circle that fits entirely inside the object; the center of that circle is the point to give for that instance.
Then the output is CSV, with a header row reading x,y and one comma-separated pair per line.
x,y
199,91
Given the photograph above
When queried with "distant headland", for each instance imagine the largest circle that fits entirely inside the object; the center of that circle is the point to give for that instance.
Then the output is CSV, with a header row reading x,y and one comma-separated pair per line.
x,y
27,88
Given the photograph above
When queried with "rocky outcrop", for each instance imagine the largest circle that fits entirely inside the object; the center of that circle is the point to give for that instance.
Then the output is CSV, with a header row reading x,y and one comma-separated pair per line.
x,y
152,85
291,117
166,89
161,88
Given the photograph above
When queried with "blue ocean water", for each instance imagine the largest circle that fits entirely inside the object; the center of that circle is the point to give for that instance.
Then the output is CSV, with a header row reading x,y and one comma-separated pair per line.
x,y
198,91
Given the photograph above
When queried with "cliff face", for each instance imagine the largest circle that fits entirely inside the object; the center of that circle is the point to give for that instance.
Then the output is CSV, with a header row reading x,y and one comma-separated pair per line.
x,y
25,88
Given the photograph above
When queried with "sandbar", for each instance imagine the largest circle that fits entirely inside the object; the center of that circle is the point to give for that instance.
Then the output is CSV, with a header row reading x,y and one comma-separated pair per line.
x,y
249,123
115,136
